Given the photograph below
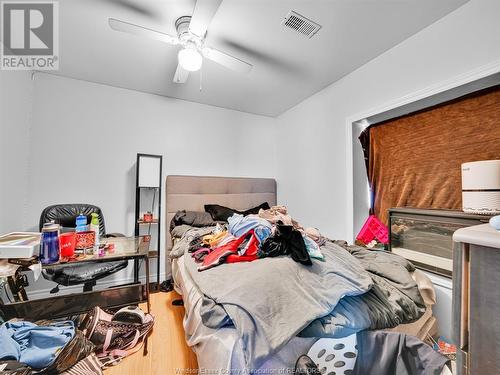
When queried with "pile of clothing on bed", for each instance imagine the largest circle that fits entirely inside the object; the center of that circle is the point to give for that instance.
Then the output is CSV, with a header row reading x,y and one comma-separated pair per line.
x,y
275,280
244,238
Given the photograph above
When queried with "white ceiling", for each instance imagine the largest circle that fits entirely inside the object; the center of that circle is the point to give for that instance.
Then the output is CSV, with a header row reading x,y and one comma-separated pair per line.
x,y
287,66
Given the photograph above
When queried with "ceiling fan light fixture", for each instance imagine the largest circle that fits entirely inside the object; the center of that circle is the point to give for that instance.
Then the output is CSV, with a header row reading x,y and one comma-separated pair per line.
x,y
190,59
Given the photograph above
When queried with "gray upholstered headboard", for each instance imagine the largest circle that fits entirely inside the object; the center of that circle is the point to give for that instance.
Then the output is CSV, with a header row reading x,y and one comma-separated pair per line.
x,y
191,193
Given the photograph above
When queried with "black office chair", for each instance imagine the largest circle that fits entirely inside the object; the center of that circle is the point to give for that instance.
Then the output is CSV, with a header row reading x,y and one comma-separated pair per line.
x,y
85,273
65,215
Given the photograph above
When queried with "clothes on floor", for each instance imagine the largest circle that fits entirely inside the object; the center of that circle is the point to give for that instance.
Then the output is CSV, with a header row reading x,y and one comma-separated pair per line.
x,y
87,366
76,350
36,346
14,368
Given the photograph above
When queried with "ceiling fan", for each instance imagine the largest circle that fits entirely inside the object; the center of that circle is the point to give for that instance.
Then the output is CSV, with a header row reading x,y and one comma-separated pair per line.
x,y
191,33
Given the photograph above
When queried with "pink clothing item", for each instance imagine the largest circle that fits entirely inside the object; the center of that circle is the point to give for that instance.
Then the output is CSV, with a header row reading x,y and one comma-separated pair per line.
x,y
279,213
315,235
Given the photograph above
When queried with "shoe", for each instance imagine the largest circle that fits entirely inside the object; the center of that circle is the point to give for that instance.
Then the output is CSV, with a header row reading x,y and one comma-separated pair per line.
x,y
166,286
129,314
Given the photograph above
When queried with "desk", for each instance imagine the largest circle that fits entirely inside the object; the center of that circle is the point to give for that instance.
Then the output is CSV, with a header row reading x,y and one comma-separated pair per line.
x,y
135,248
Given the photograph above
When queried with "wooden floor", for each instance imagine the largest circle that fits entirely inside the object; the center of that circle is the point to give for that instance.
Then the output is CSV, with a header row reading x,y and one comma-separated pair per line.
x,y
168,352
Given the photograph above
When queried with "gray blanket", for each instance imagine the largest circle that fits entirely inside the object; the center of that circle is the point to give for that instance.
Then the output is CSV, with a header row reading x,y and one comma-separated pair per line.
x,y
394,298
271,300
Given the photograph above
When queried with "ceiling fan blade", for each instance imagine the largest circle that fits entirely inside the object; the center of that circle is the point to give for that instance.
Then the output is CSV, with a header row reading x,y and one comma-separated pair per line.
x,y
226,60
130,28
204,11
181,75
133,6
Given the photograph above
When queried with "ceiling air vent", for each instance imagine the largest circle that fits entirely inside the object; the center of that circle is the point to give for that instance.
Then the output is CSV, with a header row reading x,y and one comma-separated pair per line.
x,y
301,24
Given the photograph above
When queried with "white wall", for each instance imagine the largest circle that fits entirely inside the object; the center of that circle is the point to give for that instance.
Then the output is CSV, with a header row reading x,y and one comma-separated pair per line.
x,y
85,138
312,165
15,112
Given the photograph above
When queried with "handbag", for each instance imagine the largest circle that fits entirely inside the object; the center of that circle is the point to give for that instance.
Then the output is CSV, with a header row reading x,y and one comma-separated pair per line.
x,y
114,339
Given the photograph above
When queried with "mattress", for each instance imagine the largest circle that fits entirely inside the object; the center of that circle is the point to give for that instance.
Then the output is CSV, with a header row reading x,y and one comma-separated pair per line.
x,y
219,350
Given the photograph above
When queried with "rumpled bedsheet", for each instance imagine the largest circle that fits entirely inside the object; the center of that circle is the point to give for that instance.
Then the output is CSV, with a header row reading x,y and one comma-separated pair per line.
x,y
394,298
271,300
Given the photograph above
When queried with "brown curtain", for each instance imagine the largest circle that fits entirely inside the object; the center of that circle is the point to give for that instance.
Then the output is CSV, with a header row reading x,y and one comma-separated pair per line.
x,y
414,161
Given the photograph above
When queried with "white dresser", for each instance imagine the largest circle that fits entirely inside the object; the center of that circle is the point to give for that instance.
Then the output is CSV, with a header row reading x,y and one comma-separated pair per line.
x,y
476,300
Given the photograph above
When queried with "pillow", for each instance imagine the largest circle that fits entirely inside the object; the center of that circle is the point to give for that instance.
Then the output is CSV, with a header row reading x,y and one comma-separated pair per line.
x,y
221,213
193,218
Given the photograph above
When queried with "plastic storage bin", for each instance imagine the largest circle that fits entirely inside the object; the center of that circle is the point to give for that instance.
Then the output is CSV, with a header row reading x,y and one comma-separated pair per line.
x,y
372,229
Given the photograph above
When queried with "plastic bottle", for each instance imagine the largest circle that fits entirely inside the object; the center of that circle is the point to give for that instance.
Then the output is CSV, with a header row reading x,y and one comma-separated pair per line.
x,y
49,245
94,226
81,223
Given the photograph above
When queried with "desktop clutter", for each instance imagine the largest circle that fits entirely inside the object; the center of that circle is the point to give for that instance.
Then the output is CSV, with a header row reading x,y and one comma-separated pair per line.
x,y
82,344
51,246
84,241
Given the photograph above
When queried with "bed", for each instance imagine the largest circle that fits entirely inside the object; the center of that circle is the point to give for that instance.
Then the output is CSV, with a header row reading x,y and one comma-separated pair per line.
x,y
220,349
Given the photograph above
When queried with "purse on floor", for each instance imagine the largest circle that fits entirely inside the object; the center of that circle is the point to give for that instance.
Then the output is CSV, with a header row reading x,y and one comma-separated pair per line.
x,y
115,339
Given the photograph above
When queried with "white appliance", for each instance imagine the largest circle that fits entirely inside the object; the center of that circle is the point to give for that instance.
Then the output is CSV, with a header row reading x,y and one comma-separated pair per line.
x,y
481,187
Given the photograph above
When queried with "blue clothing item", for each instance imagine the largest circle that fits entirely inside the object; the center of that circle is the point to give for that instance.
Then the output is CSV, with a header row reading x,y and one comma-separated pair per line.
x,y
240,225
262,233
36,346
312,248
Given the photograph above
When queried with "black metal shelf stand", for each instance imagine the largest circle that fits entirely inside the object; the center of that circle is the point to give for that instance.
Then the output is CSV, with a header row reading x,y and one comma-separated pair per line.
x,y
153,226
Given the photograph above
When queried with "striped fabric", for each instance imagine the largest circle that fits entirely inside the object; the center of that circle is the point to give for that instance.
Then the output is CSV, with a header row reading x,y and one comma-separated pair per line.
x,y
87,366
